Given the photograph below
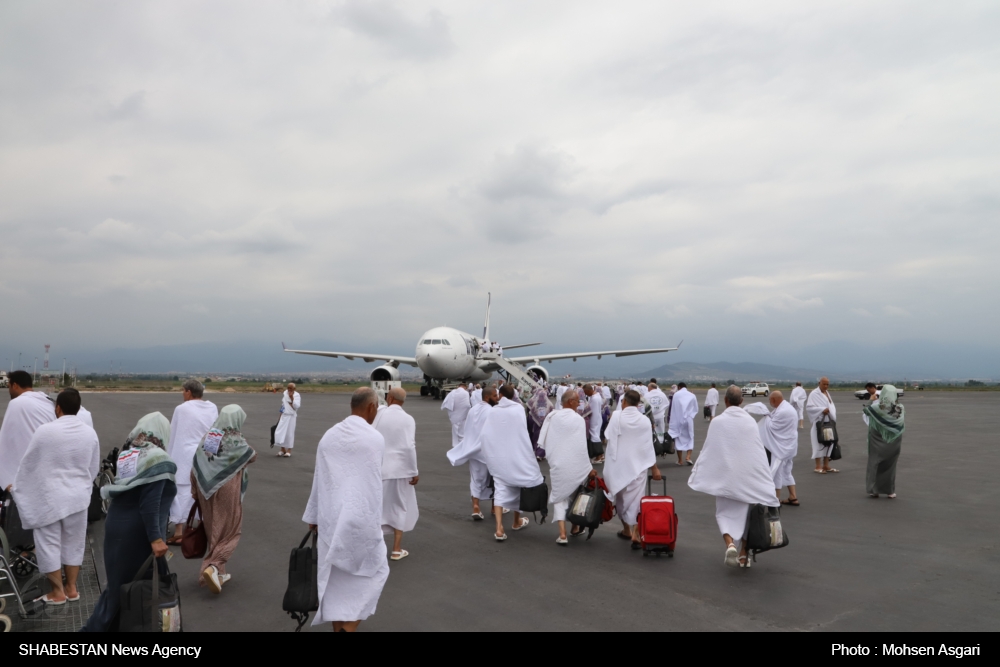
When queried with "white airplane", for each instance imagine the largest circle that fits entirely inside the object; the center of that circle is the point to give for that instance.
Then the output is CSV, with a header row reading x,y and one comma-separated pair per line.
x,y
448,356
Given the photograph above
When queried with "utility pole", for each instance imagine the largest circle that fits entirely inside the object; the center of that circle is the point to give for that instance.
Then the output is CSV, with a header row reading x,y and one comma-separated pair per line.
x,y
34,369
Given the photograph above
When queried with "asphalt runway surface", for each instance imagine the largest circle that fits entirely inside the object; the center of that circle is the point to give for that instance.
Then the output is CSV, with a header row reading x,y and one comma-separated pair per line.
x,y
924,561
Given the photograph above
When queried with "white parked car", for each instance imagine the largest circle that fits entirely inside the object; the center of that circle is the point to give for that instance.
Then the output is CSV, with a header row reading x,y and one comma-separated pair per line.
x,y
756,389
864,395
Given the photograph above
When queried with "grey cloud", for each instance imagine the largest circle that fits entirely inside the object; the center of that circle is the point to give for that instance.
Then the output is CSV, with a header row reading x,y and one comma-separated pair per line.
x,y
129,108
385,22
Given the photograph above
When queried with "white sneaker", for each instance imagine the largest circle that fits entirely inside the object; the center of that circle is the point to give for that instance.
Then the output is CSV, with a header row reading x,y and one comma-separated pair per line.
x,y
732,557
224,578
211,578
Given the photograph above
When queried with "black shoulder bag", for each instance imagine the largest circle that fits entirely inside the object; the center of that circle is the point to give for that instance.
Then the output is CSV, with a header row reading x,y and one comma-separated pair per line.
x,y
826,435
150,605
764,530
535,499
302,594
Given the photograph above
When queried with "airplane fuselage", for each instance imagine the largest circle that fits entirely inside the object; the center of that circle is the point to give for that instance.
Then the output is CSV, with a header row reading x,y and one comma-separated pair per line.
x,y
444,353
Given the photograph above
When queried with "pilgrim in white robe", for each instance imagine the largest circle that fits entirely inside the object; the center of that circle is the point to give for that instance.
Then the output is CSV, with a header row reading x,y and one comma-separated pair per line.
x,y
52,489
509,454
606,393
798,400
284,435
732,466
560,390
470,451
712,400
346,506
475,398
564,439
628,457
659,402
188,425
24,415
399,466
683,410
779,431
85,416
816,403
595,422
457,403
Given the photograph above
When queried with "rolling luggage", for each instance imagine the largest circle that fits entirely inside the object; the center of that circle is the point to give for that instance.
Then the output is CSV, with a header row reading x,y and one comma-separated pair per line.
x,y
764,530
657,522
586,509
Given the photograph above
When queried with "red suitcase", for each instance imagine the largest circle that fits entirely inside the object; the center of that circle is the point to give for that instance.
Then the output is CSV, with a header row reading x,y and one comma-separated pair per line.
x,y
657,522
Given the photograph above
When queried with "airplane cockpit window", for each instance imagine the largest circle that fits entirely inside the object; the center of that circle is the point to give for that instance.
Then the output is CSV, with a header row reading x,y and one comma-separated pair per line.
x,y
427,341
436,341
446,343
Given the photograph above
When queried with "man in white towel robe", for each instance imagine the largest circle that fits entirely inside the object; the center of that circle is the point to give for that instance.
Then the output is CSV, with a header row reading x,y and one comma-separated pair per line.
x,y
188,425
798,400
712,401
683,410
399,470
26,411
733,467
780,436
345,510
629,455
594,422
509,457
819,406
476,397
52,490
564,438
457,404
659,402
284,435
470,451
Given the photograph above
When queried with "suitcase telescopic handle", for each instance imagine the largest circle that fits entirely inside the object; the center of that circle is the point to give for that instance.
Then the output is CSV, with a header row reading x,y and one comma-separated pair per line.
x,y
649,484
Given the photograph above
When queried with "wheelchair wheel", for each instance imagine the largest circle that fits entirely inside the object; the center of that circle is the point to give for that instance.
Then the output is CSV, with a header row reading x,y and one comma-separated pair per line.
x,y
3,604
25,565
105,479
5,620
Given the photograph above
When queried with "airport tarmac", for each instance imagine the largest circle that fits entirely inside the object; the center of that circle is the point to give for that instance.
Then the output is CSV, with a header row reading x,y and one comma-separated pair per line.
x,y
924,561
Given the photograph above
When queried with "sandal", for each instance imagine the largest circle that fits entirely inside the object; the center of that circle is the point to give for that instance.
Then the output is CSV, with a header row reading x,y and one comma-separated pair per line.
x,y
45,599
478,516
174,541
819,471
577,533
636,546
794,502
873,495
399,555
624,535
522,524
891,495
829,470
499,538
562,541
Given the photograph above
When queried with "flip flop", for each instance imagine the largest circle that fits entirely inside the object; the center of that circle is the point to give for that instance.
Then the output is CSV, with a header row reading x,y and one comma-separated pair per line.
x,y
45,600
499,539
636,546
829,470
622,535
522,524
399,555
76,599
819,472
794,502
174,541
478,516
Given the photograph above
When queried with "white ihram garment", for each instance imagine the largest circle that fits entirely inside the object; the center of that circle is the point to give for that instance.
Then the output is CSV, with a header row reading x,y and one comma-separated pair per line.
x,y
712,400
346,505
659,402
399,466
682,413
816,403
475,398
732,466
284,435
52,489
85,416
188,425
564,439
457,403
508,453
629,455
596,405
798,400
24,415
470,451
779,431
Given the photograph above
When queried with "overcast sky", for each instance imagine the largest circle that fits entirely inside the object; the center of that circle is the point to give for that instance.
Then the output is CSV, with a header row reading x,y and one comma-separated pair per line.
x,y
755,178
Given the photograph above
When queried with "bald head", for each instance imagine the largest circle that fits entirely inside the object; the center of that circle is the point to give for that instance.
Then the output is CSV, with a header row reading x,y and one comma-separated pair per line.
x,y
364,404
734,396
396,396
824,384
570,399
775,399
507,391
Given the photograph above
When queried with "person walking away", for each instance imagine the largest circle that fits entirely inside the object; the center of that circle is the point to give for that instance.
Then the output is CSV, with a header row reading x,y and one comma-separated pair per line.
x,y
798,400
509,457
711,401
52,490
137,517
886,421
780,436
538,408
683,410
284,435
457,404
629,455
819,406
470,451
399,470
733,467
345,511
219,481
188,425
658,401
26,411
565,440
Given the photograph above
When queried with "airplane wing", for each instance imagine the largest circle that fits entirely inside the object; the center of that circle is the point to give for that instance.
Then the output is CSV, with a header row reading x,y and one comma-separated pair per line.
x,y
578,355
410,361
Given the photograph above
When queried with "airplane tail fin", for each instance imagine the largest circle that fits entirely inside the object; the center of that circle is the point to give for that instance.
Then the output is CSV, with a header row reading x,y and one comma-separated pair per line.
x,y
486,327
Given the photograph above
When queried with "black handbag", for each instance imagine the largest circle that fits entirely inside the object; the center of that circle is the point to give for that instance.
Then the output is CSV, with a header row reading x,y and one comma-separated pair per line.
x,y
535,499
273,429
764,530
835,452
595,449
707,412
150,605
302,595
586,508
826,431
668,445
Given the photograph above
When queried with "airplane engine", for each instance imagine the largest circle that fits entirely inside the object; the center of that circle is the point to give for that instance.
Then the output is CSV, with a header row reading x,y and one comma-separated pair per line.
x,y
385,373
539,371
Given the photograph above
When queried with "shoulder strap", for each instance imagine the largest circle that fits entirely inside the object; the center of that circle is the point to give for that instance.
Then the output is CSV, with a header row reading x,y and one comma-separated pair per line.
x,y
142,569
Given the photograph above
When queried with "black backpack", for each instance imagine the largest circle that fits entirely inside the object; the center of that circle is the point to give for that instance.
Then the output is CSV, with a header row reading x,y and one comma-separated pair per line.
x,y
764,530
535,499
302,594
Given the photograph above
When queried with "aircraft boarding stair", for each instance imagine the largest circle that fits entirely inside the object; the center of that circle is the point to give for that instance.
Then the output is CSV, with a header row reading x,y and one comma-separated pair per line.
x,y
512,371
